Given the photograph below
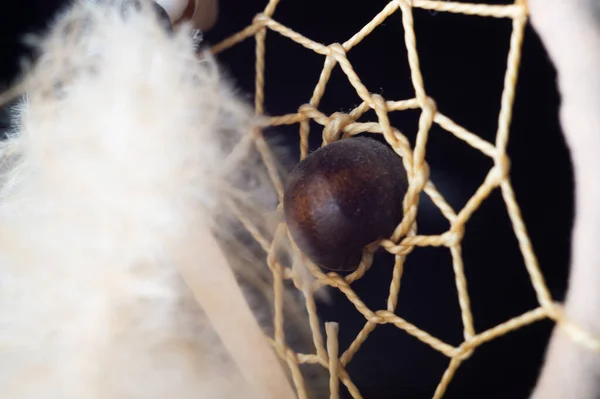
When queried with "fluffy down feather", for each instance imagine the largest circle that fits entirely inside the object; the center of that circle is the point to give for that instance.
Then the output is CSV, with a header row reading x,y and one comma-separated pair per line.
x,y
122,147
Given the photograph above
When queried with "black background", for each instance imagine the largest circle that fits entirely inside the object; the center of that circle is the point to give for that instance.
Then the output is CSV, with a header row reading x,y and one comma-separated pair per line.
x,y
463,59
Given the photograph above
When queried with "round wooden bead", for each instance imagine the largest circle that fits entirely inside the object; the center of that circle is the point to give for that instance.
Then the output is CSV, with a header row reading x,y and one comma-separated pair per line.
x,y
343,197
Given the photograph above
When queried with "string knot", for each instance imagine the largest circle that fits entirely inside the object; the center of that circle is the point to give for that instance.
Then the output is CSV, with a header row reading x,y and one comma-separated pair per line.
x,y
308,110
501,169
399,3
379,103
430,108
402,250
455,235
466,350
337,122
337,51
260,19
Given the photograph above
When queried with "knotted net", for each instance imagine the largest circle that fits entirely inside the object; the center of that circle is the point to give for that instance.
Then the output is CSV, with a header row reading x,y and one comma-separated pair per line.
x,y
406,237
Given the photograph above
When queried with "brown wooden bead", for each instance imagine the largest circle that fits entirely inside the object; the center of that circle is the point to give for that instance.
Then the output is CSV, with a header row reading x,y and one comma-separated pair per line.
x,y
343,197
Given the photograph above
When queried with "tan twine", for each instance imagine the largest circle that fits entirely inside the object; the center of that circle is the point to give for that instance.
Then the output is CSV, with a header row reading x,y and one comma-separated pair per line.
x,y
405,238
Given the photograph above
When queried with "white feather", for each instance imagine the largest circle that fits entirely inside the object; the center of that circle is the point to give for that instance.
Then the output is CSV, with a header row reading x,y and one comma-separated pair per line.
x,y
116,158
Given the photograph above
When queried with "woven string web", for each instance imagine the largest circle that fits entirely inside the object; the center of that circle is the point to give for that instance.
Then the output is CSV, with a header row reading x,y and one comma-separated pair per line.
x,y
405,238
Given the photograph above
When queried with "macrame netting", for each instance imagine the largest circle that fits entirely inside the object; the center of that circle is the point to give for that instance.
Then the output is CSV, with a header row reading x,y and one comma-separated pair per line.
x,y
405,238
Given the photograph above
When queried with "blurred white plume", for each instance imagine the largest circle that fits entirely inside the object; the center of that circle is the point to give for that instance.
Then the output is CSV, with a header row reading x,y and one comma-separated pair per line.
x,y
121,150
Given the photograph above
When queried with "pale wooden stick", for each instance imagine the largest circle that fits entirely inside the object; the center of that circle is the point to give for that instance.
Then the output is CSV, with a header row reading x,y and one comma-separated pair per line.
x,y
570,31
207,273
332,351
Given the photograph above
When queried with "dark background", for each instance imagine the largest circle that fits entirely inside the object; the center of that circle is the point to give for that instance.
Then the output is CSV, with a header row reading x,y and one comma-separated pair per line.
x,y
463,59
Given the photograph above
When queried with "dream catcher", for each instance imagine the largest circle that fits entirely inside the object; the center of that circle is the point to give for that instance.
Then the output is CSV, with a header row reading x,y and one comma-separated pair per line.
x,y
147,226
